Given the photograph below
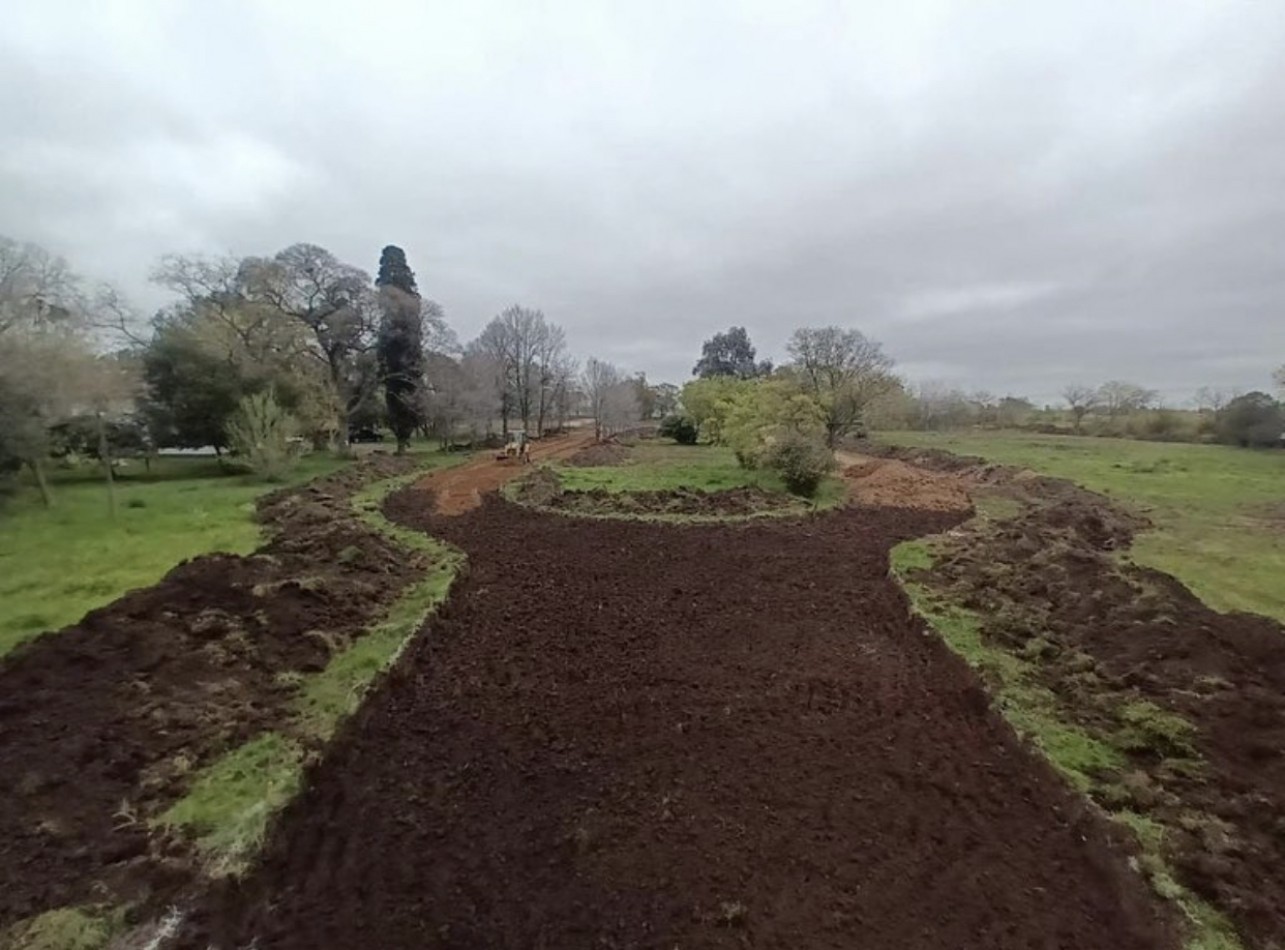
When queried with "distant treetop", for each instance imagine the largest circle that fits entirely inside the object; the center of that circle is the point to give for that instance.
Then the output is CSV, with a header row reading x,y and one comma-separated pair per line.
x,y
730,354
395,272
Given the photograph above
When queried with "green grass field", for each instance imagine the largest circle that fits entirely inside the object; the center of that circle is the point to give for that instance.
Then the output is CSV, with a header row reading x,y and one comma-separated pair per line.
x,y
58,563
1219,512
659,465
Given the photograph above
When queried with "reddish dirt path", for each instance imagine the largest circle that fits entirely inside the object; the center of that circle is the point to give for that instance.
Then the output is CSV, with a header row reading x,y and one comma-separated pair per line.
x,y
630,735
460,488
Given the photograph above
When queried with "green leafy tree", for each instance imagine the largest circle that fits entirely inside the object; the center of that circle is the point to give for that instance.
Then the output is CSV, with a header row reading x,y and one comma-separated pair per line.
x,y
401,345
191,391
708,402
765,412
730,354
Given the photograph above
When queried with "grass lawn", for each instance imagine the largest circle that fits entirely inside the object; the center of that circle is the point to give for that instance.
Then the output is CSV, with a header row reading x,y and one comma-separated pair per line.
x,y
1219,512
658,465
56,564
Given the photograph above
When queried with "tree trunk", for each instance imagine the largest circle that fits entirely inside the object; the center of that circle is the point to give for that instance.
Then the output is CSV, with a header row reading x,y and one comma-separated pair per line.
x,y
104,456
38,470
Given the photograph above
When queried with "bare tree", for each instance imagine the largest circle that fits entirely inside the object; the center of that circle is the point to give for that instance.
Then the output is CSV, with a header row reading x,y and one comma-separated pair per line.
x,y
337,304
1209,399
600,380
620,407
844,370
45,352
38,290
530,352
1117,397
1081,400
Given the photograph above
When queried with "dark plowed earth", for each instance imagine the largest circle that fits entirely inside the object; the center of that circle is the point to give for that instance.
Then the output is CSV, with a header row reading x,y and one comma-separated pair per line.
x,y
103,724
632,735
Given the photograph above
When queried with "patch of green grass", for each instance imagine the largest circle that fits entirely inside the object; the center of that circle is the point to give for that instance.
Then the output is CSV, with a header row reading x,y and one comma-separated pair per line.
x,y
57,564
88,927
1206,502
666,466
231,802
1147,727
228,806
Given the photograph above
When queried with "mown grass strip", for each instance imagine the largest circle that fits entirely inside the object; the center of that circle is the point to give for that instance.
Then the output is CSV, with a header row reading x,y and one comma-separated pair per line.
x,y
1087,761
231,802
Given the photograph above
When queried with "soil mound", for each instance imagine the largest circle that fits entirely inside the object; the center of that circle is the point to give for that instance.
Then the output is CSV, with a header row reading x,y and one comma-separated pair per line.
x,y
600,454
103,723
622,734
892,483
1111,636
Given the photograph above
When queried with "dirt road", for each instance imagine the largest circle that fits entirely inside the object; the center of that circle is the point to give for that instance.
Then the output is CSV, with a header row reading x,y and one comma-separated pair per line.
x,y
460,488
626,735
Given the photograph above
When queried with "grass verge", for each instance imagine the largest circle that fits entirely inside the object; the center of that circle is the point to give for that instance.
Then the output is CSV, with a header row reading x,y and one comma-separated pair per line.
x,y
1091,761
231,802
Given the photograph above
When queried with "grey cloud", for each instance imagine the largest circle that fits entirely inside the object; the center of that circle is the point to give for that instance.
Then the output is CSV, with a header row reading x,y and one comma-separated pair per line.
x,y
1009,198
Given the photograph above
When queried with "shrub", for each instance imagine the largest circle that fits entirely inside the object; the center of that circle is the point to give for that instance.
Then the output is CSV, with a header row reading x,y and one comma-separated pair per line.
x,y
679,428
1254,420
261,433
801,462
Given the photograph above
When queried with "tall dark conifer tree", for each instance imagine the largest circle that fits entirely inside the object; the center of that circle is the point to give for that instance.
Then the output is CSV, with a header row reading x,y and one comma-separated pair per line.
x,y
401,344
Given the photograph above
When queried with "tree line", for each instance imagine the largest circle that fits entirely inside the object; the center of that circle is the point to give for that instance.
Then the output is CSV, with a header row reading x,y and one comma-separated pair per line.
x,y
262,355
1116,408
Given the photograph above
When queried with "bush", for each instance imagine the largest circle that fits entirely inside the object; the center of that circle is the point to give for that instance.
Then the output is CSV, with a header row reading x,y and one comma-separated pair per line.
x,y
261,435
801,462
679,428
1254,420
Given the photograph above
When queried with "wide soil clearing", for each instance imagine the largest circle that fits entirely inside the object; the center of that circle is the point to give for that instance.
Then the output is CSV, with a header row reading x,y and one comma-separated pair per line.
x,y
621,734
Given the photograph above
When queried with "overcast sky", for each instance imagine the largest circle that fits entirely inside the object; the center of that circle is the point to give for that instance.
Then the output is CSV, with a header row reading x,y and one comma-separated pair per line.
x,y
1011,196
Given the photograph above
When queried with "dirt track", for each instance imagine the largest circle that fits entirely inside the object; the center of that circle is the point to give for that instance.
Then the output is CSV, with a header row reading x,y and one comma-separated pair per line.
x,y
630,735
460,488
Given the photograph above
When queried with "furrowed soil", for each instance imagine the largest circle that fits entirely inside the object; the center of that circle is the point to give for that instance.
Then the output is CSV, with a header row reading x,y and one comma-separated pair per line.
x,y
621,734
102,724
1111,636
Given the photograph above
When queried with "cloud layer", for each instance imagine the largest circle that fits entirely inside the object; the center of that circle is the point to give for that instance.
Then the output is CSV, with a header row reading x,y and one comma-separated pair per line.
x,y
1010,196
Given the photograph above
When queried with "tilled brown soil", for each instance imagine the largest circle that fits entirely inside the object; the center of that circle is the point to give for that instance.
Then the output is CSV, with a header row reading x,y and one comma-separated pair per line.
x,y
1112,634
103,724
620,734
